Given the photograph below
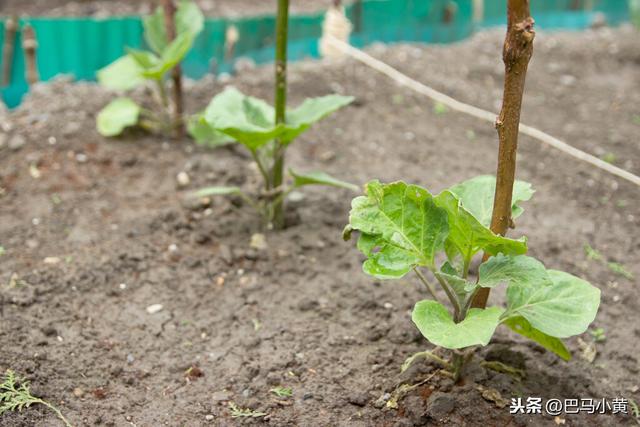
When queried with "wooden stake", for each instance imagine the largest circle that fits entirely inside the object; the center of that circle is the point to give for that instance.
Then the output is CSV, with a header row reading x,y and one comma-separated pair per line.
x,y
30,46
10,30
176,73
518,48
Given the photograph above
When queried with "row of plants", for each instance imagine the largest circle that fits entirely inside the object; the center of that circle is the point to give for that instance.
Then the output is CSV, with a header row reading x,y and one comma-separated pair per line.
x,y
401,227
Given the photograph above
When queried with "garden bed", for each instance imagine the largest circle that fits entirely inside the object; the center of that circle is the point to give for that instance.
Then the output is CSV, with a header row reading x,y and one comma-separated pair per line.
x,y
96,231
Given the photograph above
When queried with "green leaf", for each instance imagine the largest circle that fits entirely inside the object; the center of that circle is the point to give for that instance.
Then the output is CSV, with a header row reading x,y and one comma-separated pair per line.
x,y
407,226
215,191
460,286
521,326
188,18
204,134
436,324
309,112
171,56
563,308
319,178
116,116
516,270
246,119
144,59
155,32
122,74
251,121
476,195
467,236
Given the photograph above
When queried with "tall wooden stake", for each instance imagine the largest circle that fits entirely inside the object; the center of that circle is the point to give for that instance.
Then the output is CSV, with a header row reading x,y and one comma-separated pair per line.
x,y
176,73
11,27
518,48
30,46
277,172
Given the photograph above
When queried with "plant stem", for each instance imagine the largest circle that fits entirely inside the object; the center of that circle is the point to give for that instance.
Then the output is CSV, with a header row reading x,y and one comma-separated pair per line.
x,y
176,73
56,410
518,48
451,295
429,285
277,171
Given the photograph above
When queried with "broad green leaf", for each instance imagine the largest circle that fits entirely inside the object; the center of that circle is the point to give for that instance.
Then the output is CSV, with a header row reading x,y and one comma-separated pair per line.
x,y
516,270
251,121
204,134
188,18
246,119
407,226
563,308
436,324
122,74
467,236
144,59
216,191
171,56
155,32
477,194
116,116
309,112
555,345
319,178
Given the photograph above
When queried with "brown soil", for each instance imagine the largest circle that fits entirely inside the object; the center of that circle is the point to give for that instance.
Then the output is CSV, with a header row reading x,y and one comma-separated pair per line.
x,y
101,8
302,314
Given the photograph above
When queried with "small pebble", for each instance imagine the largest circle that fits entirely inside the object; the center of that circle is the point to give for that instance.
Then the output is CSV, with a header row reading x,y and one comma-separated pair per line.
x,y
259,242
183,179
51,260
154,308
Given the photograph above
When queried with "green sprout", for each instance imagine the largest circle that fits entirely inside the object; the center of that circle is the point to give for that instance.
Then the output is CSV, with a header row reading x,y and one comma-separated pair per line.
x,y
237,412
15,396
598,334
282,391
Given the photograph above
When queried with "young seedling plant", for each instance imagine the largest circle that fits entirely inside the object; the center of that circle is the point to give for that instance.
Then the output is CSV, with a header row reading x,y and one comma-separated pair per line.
x,y
267,132
15,395
149,68
404,228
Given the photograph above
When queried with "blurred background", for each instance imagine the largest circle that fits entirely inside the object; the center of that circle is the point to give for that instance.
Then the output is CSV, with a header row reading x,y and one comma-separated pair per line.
x,y
80,37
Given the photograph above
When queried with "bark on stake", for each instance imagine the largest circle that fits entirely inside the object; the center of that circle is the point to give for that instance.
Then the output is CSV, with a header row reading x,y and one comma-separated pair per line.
x,y
176,73
30,46
277,172
518,48
11,27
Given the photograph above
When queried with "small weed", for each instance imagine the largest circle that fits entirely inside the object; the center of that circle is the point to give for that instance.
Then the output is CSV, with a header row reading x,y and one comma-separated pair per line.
x,y
282,391
256,324
636,119
620,270
615,267
592,253
609,157
237,412
622,203
440,109
15,396
471,135
2,250
635,411
598,334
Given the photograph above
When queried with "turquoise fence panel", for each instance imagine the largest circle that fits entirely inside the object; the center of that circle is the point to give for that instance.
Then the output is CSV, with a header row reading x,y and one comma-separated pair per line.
x,y
81,46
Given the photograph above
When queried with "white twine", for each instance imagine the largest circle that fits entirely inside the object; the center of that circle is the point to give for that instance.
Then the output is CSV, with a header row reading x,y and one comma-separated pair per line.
x,y
479,113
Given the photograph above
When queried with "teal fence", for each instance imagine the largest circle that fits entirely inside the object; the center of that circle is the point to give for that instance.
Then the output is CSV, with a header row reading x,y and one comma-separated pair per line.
x,y
81,46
